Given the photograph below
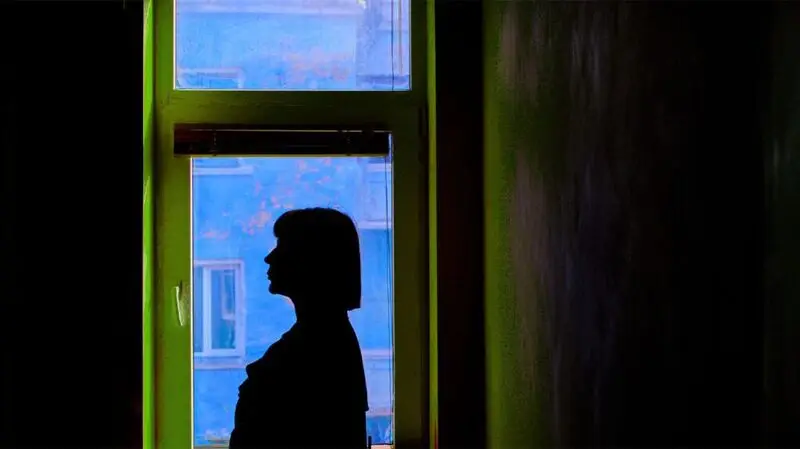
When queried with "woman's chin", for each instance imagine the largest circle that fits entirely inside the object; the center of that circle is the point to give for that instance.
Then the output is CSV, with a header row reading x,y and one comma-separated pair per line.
x,y
274,290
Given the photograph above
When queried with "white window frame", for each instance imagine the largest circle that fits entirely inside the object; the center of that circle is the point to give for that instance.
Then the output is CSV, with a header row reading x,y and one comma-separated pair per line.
x,y
239,314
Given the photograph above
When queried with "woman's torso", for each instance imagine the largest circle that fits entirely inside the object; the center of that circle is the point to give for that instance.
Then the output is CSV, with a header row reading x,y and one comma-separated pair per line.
x,y
308,390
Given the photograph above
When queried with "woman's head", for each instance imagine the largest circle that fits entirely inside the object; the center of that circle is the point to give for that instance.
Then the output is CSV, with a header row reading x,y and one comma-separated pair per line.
x,y
316,259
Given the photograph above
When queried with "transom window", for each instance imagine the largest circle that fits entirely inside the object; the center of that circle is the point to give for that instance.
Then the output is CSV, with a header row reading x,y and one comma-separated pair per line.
x,y
355,45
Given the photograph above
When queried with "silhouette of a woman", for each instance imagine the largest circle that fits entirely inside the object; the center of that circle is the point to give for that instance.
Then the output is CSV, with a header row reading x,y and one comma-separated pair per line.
x,y
309,390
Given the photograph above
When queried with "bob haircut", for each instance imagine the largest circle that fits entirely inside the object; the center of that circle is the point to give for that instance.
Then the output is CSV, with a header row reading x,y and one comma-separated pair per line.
x,y
328,240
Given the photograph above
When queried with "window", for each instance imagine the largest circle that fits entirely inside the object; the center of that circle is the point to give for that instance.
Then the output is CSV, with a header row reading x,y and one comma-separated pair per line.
x,y
293,44
234,216
307,64
218,309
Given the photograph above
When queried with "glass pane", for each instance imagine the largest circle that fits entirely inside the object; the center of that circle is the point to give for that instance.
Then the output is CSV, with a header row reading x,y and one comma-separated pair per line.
x,y
233,214
355,45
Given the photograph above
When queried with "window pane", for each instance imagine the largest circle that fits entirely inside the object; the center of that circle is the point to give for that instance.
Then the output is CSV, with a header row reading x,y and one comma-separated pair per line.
x,y
357,45
233,215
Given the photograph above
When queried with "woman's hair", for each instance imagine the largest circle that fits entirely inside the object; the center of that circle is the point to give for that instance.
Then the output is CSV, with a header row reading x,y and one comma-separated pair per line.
x,y
328,243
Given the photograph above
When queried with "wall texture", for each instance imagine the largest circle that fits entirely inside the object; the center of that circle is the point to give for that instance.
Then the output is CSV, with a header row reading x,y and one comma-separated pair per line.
x,y
626,224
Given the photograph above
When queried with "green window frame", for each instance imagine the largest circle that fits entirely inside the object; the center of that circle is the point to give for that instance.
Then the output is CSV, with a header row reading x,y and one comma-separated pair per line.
x,y
403,113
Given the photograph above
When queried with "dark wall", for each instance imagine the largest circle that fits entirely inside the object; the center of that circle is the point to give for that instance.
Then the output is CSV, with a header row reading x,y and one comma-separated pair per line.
x,y
782,262
460,231
75,334
625,147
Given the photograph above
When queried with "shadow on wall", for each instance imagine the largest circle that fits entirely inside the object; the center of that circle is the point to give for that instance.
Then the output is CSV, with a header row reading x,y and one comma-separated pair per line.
x,y
631,138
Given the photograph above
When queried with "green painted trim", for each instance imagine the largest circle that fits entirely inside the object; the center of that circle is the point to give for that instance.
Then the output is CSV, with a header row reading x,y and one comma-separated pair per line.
x,y
433,285
148,381
173,362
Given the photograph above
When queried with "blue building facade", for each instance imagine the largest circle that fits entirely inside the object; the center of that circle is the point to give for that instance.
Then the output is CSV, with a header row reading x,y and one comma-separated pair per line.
x,y
235,203
293,44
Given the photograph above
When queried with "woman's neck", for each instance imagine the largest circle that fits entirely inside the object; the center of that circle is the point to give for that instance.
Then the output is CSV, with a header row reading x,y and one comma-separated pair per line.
x,y
319,315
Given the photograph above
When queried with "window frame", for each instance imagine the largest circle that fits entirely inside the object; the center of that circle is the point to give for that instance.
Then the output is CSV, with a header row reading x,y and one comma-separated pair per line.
x,y
240,320
403,113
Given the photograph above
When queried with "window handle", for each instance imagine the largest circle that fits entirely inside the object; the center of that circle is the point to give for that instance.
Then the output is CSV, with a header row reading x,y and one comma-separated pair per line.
x,y
182,302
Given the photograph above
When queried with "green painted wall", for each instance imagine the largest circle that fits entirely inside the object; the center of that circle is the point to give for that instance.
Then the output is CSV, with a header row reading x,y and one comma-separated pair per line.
x,y
514,413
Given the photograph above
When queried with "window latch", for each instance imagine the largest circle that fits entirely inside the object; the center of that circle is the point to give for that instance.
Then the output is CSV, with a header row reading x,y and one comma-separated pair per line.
x,y
182,302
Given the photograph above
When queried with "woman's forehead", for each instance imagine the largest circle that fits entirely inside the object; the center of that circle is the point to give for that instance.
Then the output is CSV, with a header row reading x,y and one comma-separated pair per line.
x,y
292,241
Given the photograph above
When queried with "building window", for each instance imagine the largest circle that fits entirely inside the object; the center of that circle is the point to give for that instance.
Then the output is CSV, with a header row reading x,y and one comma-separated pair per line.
x,y
376,210
218,309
